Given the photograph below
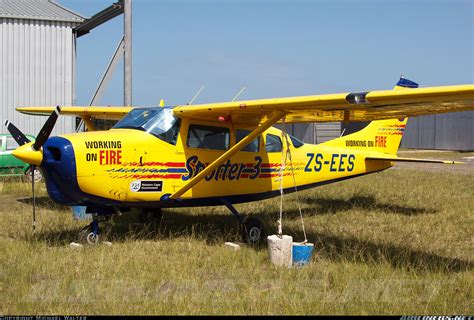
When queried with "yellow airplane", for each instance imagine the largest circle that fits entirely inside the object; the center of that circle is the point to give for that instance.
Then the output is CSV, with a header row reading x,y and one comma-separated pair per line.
x,y
223,153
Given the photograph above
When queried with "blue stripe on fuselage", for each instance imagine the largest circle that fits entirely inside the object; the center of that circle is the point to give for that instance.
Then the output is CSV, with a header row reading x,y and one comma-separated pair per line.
x,y
91,200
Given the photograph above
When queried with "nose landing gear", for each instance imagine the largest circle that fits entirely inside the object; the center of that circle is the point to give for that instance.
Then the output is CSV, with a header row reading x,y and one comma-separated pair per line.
x,y
93,236
91,233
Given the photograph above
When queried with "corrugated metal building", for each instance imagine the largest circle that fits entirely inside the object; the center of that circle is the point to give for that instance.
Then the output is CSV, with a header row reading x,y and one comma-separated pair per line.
x,y
313,132
450,131
37,61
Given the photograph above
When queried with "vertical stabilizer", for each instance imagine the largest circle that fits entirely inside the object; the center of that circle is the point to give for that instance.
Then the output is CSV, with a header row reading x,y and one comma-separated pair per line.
x,y
379,136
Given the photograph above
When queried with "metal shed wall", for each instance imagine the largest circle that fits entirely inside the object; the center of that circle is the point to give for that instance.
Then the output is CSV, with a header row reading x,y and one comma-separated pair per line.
x,y
450,131
37,64
325,131
313,132
303,131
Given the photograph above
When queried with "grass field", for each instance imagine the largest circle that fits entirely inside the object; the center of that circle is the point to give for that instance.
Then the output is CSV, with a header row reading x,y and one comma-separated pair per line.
x,y
396,242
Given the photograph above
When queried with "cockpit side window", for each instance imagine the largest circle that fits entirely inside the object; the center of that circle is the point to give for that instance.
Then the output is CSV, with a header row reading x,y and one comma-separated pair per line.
x,y
253,146
273,143
208,137
297,143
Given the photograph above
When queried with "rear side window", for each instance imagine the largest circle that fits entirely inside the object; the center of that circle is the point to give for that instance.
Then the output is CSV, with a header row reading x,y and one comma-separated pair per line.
x,y
273,143
207,137
252,146
1,143
296,142
11,144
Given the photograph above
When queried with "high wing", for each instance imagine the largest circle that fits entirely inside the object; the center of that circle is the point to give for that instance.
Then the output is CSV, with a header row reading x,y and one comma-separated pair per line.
x,y
360,106
111,113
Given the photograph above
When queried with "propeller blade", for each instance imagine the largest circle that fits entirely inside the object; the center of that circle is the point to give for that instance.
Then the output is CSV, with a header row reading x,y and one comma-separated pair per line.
x,y
45,131
19,137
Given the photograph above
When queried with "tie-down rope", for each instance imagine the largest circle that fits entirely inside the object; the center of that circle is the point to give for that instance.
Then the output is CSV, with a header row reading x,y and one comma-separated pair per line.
x,y
284,156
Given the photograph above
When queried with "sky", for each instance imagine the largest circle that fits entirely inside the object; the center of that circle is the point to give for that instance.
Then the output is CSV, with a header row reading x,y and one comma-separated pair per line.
x,y
276,48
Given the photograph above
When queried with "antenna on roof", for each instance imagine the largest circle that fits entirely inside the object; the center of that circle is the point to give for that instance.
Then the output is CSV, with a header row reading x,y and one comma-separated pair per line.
x,y
195,96
239,93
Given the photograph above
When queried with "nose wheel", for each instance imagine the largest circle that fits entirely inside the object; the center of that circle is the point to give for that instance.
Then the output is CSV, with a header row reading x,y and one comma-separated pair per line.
x,y
92,238
92,231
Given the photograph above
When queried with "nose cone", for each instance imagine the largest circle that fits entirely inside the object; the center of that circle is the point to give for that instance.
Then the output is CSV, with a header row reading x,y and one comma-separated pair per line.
x,y
27,154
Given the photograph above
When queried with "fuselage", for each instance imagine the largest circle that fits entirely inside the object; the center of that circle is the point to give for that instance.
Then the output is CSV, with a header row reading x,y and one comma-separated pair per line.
x,y
136,167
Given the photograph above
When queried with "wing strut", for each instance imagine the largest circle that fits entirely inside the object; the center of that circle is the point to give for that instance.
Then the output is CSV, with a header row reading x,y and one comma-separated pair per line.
x,y
88,122
229,153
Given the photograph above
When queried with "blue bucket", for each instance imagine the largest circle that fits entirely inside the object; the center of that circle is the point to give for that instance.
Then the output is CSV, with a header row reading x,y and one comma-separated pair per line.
x,y
302,253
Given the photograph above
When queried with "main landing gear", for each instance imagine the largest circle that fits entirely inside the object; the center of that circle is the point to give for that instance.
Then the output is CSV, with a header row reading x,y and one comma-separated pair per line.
x,y
252,228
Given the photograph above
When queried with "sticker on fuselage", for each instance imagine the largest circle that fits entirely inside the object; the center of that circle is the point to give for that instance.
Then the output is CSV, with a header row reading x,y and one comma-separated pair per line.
x,y
146,186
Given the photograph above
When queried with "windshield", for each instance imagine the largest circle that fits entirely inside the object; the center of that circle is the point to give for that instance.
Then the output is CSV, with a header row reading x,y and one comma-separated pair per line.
x,y
159,122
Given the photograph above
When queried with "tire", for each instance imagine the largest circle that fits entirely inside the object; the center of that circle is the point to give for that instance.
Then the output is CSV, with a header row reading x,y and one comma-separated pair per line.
x,y
38,174
92,238
252,231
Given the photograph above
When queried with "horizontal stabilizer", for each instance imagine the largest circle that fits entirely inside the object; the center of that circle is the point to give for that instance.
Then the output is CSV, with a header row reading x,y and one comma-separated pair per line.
x,y
412,160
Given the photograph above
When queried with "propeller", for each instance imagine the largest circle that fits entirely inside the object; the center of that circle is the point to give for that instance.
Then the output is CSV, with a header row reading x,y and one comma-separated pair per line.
x,y
31,152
